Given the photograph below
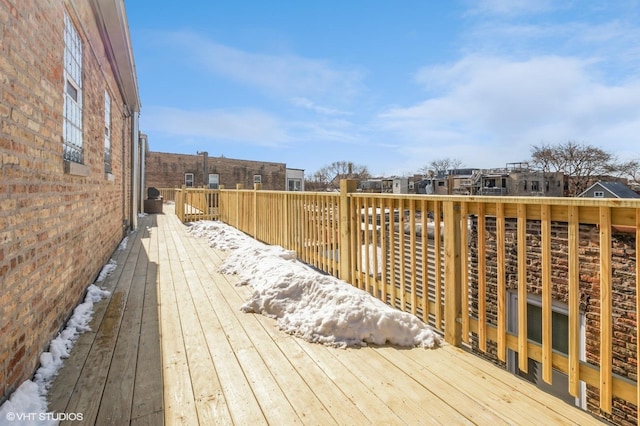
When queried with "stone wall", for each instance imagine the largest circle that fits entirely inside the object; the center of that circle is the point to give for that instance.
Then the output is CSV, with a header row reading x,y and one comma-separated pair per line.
x,y
623,298
56,229
166,170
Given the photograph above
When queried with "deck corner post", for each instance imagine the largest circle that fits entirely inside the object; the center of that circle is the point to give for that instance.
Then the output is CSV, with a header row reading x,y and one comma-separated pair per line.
x,y
346,186
453,274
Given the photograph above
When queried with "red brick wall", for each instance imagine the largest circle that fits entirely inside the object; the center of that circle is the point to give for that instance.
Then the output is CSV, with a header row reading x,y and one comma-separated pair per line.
x,y
165,170
623,262
56,229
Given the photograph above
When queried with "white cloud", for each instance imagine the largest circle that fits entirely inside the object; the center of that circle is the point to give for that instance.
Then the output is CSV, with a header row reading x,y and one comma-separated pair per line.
x,y
483,105
511,7
244,125
310,105
285,75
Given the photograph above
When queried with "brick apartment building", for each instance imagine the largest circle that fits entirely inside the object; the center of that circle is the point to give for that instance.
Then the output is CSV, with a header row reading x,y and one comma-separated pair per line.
x,y
69,164
166,170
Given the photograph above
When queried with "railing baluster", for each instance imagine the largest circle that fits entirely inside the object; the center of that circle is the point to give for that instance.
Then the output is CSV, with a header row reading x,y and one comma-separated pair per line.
x,y
464,270
547,347
501,282
606,328
424,208
437,253
523,355
574,300
482,310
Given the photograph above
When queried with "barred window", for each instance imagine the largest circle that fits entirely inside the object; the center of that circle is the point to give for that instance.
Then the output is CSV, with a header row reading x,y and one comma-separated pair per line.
x,y
72,122
107,132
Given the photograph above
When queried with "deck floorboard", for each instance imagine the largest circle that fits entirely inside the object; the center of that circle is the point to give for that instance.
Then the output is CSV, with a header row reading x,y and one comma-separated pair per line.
x,y
171,346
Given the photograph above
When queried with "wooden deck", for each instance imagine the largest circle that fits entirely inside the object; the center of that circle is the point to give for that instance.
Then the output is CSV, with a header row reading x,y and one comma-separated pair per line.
x,y
171,346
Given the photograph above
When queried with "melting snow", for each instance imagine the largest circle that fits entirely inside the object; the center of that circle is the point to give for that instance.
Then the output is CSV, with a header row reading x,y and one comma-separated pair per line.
x,y
309,304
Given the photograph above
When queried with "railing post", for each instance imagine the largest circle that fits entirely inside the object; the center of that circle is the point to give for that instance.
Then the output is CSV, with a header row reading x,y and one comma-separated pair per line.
x,y
256,187
285,211
452,274
239,186
346,186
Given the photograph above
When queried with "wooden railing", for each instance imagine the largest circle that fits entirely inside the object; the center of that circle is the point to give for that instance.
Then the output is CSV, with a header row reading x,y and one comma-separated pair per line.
x,y
168,194
193,204
472,266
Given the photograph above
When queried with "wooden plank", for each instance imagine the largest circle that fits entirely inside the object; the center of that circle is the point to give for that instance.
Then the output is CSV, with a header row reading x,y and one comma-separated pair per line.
x,y
87,394
402,255
208,396
523,356
152,419
501,282
384,243
437,249
68,376
482,286
573,219
519,400
452,325
179,401
464,270
376,245
606,328
259,362
424,301
428,374
412,244
228,397
547,302
117,398
392,288
384,380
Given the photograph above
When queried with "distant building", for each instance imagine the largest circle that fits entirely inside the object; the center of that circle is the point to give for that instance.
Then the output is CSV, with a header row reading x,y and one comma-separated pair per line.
x,y
295,180
609,190
167,170
516,179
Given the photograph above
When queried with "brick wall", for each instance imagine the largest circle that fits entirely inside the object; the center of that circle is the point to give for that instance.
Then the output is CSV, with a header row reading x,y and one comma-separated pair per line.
x,y
56,229
165,170
623,297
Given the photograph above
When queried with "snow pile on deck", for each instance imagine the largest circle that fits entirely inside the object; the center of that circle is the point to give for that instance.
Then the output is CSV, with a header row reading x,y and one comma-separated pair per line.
x,y
309,304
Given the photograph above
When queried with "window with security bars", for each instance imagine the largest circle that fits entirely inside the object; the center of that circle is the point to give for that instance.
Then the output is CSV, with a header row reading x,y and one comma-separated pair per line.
x,y
107,133
72,122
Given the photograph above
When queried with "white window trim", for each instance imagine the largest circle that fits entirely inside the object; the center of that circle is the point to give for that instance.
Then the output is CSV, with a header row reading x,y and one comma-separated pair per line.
x,y
598,194
187,180
215,182
257,178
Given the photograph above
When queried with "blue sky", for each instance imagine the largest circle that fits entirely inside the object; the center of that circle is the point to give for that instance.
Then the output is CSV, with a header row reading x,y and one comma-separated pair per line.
x,y
392,85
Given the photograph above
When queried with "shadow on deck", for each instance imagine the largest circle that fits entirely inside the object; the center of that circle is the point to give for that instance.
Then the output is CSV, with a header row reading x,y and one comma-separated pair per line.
x,y
171,345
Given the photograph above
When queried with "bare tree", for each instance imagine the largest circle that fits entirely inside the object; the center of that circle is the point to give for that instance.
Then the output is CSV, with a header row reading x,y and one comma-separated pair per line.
x,y
581,164
329,177
631,171
440,167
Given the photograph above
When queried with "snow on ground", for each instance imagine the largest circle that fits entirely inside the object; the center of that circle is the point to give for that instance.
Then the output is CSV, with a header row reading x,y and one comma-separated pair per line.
x,y
309,304
28,403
